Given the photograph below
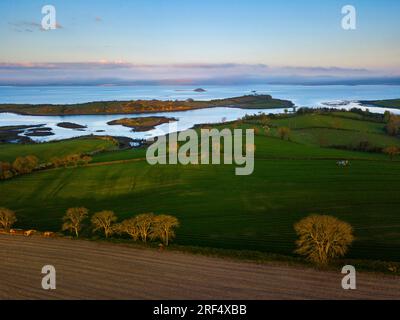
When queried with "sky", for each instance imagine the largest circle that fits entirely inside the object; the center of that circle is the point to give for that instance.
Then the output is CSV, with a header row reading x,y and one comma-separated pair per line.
x,y
105,41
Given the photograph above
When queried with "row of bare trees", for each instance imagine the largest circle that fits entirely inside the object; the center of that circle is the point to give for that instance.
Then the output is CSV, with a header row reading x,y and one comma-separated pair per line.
x,y
21,165
142,227
71,160
25,165
321,238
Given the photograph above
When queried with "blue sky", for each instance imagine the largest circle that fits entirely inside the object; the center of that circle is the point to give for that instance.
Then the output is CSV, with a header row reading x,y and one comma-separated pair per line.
x,y
186,38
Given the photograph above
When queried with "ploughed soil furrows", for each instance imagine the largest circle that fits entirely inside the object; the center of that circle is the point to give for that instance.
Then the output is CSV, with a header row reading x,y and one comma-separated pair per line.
x,y
98,270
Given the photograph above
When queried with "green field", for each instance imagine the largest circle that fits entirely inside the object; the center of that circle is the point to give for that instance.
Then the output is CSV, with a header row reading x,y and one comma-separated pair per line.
x,y
46,151
292,179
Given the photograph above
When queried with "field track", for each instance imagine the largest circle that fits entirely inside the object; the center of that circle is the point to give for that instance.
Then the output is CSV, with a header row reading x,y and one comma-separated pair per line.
x,y
90,270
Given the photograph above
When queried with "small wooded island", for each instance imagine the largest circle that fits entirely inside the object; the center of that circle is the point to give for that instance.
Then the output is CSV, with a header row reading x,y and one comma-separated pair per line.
x,y
145,106
141,123
70,125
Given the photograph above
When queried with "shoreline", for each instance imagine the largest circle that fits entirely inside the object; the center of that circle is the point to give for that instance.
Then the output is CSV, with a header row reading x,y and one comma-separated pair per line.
x,y
8,108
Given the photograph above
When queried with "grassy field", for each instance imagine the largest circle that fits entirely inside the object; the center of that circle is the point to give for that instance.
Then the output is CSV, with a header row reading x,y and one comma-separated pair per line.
x,y
292,179
45,151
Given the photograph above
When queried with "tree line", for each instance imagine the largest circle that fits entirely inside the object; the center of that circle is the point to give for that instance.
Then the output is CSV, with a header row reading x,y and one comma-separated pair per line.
x,y
21,165
143,227
321,238
27,164
71,160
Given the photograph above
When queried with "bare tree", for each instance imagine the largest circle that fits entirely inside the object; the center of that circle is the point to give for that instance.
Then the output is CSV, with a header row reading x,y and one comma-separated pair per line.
x,y
284,132
20,165
104,221
323,238
129,226
144,222
7,218
163,228
73,219
31,162
391,151
5,170
393,125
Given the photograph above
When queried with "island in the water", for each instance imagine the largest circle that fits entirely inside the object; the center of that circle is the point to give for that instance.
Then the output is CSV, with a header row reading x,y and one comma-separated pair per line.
x,y
21,134
146,106
141,123
39,132
14,133
70,125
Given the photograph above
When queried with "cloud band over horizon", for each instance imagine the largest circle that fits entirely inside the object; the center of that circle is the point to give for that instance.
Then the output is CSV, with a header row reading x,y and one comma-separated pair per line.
x,y
108,73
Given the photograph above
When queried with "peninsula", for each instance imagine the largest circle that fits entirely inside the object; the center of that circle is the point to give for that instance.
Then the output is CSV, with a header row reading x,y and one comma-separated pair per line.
x,y
145,106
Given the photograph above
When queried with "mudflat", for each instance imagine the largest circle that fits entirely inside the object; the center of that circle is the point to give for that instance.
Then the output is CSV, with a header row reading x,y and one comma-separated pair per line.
x,y
98,270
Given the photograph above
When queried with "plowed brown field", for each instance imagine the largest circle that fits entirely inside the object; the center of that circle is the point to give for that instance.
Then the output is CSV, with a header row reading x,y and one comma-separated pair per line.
x,y
93,270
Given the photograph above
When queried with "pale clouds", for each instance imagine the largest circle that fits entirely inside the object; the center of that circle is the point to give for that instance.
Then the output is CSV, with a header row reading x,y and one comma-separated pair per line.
x,y
29,26
124,72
